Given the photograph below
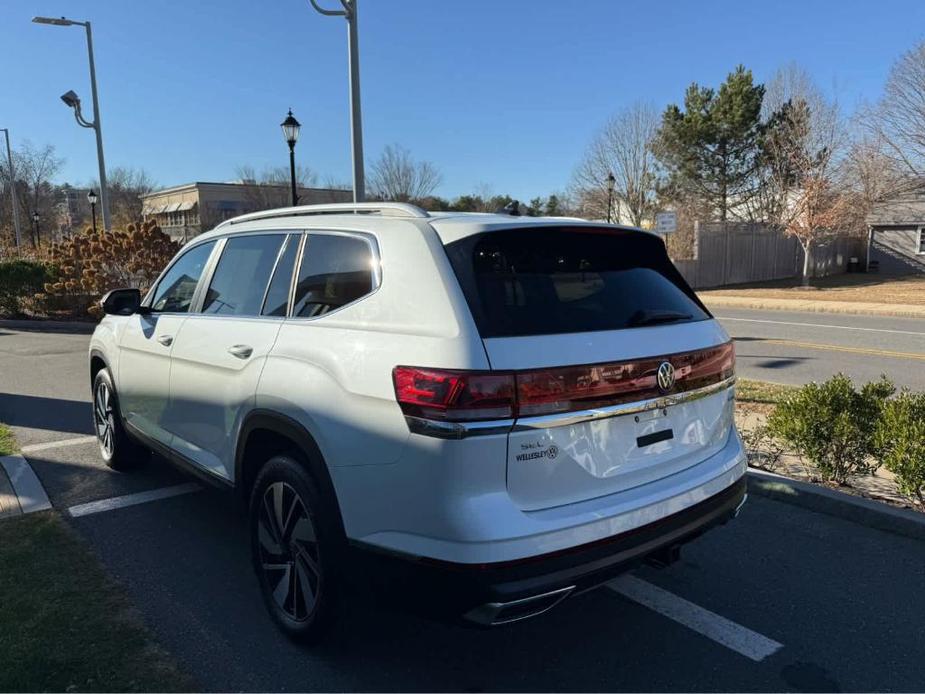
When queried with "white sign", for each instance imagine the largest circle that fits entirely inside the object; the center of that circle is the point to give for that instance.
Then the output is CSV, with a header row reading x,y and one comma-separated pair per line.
x,y
666,222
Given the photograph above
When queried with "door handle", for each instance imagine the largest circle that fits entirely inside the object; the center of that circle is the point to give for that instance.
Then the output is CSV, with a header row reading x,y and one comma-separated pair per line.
x,y
241,351
166,340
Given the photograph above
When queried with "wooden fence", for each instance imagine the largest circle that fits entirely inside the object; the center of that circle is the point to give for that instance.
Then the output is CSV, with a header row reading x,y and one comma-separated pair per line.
x,y
740,252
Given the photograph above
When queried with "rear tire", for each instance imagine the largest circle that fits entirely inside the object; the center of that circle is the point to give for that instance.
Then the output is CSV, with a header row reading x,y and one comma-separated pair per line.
x,y
118,450
295,549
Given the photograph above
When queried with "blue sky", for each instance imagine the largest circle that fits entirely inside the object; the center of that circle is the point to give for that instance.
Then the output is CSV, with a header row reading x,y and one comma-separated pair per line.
x,y
504,94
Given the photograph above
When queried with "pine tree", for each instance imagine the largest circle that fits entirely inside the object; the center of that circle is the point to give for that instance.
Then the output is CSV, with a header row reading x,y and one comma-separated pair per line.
x,y
712,149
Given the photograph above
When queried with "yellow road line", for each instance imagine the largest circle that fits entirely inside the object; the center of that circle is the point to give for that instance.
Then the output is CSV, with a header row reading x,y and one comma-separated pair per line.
x,y
839,348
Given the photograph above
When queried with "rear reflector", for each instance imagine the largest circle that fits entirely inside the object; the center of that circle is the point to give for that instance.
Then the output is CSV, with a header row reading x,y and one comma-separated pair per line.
x,y
484,395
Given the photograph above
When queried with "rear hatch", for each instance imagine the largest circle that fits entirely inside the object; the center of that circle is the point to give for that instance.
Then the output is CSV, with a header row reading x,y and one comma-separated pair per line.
x,y
621,375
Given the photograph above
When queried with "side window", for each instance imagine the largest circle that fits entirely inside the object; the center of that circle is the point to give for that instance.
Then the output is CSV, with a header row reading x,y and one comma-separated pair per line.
x,y
335,271
241,276
175,292
277,300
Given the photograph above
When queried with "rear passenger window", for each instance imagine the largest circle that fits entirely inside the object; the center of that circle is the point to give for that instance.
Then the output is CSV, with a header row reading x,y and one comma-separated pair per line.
x,y
277,300
242,274
336,270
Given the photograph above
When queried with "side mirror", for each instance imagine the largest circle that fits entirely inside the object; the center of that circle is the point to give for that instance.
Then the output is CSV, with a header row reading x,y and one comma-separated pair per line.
x,y
121,302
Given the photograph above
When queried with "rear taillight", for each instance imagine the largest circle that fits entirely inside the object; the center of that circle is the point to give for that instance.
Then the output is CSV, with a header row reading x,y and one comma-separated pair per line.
x,y
454,396
457,396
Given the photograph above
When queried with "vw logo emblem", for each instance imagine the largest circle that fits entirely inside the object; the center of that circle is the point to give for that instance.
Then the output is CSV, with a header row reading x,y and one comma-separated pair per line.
x,y
665,376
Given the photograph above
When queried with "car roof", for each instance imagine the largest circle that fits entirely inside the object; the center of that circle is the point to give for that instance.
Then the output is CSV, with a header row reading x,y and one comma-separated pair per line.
x,y
376,216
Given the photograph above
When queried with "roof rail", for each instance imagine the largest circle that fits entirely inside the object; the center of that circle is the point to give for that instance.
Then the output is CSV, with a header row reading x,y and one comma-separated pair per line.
x,y
386,209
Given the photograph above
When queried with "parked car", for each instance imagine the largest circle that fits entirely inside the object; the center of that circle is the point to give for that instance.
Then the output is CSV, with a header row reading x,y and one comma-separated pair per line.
x,y
486,412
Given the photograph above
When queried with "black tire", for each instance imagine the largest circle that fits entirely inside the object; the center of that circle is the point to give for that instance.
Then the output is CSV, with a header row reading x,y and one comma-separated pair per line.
x,y
117,448
295,549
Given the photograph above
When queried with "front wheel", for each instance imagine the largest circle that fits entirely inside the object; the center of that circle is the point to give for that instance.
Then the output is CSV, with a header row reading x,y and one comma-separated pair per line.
x,y
294,549
117,449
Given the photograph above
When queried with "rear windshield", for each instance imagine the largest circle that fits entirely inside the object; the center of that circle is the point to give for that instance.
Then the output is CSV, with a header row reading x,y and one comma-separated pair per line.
x,y
544,281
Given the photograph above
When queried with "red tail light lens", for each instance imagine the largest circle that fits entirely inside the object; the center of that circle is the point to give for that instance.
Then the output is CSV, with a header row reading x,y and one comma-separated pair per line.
x,y
454,396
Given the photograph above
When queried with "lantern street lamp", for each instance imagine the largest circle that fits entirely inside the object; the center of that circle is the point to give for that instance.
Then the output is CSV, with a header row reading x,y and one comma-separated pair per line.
x,y
611,181
291,129
91,198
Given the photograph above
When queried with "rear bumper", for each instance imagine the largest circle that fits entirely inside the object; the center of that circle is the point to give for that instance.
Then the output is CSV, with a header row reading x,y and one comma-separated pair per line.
x,y
501,592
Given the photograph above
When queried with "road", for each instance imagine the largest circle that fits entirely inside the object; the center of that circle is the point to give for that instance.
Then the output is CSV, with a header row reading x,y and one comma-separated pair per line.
x,y
780,599
796,348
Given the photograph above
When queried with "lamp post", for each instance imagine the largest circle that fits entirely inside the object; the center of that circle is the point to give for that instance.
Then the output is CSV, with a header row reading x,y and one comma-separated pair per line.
x,y
91,198
611,181
35,223
9,159
291,129
350,14
72,100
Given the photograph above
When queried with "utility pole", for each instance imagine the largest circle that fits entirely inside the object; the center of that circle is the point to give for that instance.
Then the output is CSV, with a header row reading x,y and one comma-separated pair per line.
x,y
350,14
9,159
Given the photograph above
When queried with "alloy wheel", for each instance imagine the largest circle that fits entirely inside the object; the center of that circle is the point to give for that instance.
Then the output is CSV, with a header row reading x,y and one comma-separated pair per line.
x,y
104,418
288,549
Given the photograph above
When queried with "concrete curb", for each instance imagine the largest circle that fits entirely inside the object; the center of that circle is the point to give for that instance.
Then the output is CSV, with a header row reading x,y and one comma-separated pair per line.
x,y
834,503
49,326
844,307
26,485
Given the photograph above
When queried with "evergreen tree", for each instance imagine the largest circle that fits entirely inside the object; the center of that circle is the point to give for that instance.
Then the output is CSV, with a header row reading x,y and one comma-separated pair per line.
x,y
712,149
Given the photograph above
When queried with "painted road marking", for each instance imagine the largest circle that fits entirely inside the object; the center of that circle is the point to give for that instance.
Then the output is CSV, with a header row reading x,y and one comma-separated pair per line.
x,y
822,325
115,502
35,448
725,632
29,491
840,348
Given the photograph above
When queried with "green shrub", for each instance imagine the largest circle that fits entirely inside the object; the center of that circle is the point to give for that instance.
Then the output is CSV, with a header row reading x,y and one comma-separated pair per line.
x,y
900,441
833,424
19,280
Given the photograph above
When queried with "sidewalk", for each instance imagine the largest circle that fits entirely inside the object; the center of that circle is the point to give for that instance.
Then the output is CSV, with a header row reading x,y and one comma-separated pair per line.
x,y
827,306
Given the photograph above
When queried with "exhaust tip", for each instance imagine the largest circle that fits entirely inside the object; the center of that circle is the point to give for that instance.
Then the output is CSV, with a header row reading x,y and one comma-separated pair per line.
x,y
497,613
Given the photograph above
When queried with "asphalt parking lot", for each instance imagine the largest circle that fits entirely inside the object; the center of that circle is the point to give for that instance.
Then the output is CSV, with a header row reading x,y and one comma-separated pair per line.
x,y
781,599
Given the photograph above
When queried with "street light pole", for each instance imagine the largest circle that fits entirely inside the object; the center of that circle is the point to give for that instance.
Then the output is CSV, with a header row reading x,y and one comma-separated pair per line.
x,y
356,136
291,129
9,159
91,198
35,220
95,123
611,181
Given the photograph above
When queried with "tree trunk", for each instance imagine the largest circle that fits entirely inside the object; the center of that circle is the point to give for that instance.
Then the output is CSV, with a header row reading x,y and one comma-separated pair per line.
x,y
807,252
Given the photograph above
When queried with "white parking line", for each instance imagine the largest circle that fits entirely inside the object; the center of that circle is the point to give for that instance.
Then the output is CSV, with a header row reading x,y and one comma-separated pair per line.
x,y
725,632
29,491
821,325
36,447
131,499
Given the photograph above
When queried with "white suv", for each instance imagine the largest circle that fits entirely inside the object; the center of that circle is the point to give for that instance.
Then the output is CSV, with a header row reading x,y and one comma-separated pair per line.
x,y
494,411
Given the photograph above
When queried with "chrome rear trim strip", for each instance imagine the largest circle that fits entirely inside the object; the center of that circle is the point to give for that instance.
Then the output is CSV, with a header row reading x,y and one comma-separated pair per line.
x,y
659,403
458,430
463,430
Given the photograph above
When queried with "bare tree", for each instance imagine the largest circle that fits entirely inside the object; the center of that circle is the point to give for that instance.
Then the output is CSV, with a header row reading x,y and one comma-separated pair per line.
x,y
899,119
397,176
623,147
126,185
270,188
806,145
35,167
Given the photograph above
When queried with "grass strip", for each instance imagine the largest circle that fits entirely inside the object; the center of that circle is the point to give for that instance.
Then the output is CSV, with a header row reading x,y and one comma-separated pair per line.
x,y
64,624
761,392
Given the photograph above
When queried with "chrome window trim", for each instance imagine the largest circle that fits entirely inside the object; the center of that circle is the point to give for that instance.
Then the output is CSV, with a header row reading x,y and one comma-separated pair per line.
x,y
287,239
375,271
463,430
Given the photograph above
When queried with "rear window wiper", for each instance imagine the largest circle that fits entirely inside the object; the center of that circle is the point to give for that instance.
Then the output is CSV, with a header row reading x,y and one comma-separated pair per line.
x,y
650,317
